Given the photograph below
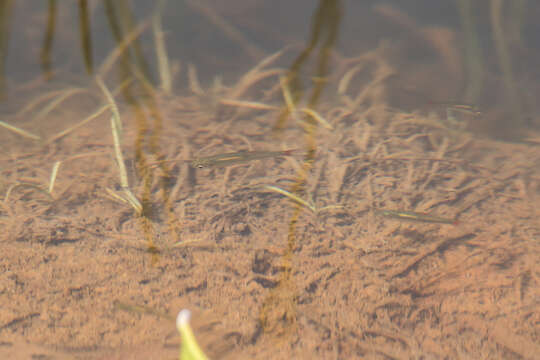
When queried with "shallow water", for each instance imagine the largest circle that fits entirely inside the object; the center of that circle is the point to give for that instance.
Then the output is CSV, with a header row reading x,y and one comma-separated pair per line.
x,y
268,275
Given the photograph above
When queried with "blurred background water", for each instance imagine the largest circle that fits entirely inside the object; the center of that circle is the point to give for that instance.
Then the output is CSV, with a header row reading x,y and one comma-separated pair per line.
x,y
473,52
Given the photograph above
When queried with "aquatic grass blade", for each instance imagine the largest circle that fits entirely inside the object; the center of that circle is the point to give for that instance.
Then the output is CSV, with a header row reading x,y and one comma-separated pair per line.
x,y
189,349
291,196
54,172
19,131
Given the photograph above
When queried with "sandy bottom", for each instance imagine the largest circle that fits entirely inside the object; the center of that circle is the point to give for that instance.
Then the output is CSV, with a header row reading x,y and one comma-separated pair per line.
x,y
77,280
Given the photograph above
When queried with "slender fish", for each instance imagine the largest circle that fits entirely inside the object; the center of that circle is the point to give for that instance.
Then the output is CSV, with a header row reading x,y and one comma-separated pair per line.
x,y
462,107
415,216
222,160
458,116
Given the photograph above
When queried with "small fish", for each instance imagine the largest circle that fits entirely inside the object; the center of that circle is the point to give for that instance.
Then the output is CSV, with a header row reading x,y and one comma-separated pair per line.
x,y
460,107
141,309
458,116
222,160
414,216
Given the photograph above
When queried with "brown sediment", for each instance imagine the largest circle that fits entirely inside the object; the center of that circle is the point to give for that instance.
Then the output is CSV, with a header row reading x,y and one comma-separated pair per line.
x,y
360,286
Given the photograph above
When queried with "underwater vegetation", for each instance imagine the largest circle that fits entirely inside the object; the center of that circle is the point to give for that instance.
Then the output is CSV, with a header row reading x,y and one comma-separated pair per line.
x,y
305,202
